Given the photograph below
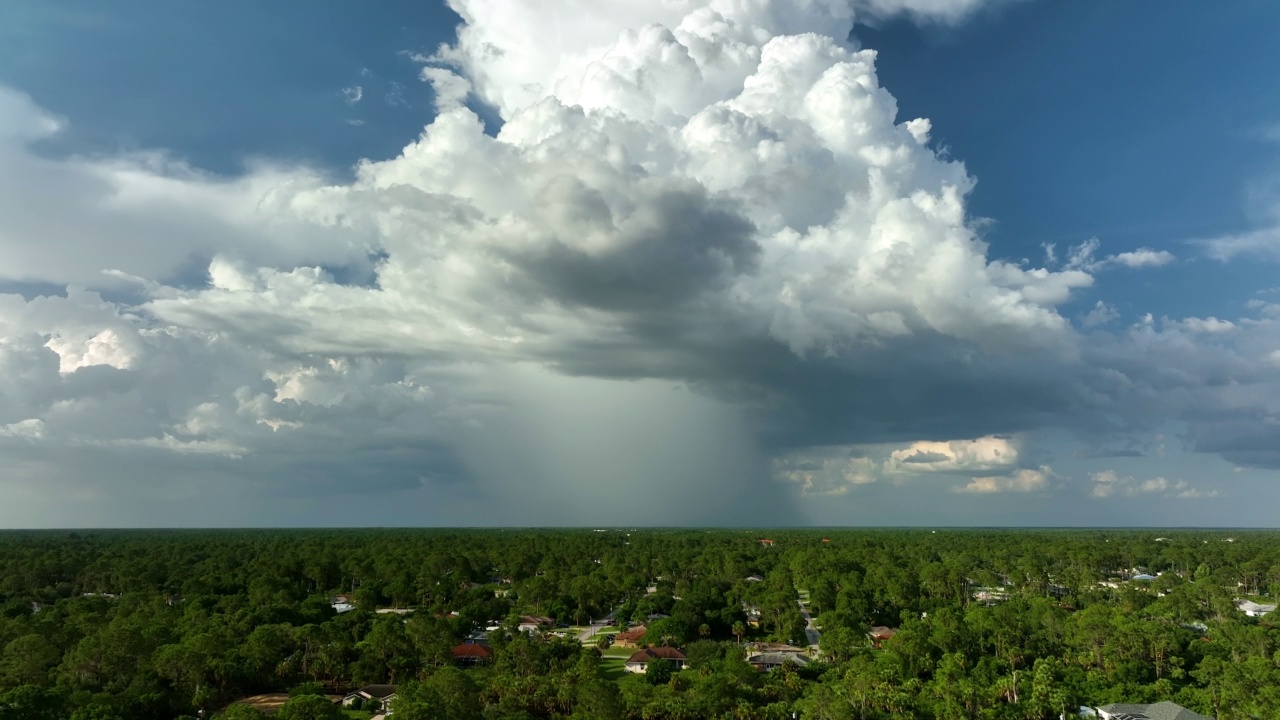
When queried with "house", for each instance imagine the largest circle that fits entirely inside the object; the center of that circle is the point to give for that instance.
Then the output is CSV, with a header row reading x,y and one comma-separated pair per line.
x,y
753,615
770,661
1159,711
342,603
394,611
371,696
472,654
657,616
754,578
534,623
1144,577
630,637
785,649
1253,609
764,542
879,634
990,596
639,660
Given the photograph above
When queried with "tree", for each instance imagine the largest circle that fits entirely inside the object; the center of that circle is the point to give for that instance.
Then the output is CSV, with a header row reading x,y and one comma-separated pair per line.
x,y
27,660
310,707
658,671
240,712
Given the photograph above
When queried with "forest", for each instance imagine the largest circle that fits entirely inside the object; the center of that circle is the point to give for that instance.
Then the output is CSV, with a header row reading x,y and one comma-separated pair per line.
x,y
968,624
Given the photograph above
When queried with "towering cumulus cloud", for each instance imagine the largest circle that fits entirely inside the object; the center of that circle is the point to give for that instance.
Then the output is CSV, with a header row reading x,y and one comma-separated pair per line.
x,y
701,247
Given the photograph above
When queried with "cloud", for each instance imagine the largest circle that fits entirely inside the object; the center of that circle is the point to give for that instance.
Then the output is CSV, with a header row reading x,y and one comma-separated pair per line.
x,y
1101,314
1211,325
1023,480
353,94
954,456
826,471
1263,243
1142,258
71,220
29,429
702,265
1083,257
1108,483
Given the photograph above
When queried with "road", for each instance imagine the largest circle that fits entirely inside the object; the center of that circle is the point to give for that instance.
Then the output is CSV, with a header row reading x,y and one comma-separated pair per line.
x,y
586,635
810,631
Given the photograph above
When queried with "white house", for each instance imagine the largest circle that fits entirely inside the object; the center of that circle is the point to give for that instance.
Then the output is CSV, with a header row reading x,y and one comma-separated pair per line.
x,y
342,603
371,695
639,660
1253,609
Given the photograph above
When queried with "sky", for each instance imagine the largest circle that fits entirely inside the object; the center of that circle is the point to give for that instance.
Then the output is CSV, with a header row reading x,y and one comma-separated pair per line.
x,y
631,263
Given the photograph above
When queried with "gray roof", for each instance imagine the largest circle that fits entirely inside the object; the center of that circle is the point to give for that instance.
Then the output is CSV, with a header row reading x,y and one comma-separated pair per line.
x,y
777,658
1159,711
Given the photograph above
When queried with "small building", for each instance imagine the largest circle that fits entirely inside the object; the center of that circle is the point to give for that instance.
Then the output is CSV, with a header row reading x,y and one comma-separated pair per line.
x,y
639,660
658,616
394,611
342,603
765,542
753,615
534,623
472,654
754,578
630,637
879,634
379,696
1253,609
1158,711
770,661
990,596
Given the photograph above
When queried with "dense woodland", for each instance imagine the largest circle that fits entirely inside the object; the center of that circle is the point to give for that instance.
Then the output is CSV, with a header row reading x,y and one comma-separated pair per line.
x,y
160,625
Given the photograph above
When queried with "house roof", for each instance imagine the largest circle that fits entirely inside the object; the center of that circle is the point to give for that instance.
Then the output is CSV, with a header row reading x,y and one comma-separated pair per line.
x,y
472,650
777,658
535,620
377,691
632,635
654,653
880,632
1159,711
1251,606
776,647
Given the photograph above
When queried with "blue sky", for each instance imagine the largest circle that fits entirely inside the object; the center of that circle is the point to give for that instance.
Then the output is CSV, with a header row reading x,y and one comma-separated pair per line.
x,y
207,157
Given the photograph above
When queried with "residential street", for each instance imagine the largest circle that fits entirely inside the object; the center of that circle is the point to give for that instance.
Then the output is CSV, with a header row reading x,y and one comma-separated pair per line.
x,y
586,635
810,631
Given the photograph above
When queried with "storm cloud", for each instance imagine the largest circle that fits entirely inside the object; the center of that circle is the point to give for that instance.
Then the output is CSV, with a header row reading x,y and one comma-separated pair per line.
x,y
702,269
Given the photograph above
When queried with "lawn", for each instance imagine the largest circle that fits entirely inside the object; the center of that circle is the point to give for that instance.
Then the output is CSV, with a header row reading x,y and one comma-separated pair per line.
x,y
611,665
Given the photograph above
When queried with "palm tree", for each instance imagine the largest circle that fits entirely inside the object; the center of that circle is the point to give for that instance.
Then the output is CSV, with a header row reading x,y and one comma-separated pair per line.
x,y
738,631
